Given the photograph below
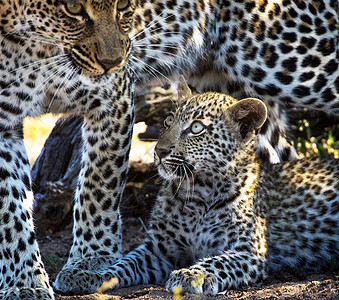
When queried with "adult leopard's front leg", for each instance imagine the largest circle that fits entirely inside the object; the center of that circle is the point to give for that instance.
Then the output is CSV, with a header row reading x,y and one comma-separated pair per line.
x,y
107,132
22,274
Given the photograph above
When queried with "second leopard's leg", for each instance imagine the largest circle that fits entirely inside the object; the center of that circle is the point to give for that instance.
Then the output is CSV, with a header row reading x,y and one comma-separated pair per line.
x,y
107,133
143,265
22,273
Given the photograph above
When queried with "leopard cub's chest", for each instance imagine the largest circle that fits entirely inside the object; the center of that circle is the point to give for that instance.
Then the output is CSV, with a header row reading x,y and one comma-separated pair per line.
x,y
191,232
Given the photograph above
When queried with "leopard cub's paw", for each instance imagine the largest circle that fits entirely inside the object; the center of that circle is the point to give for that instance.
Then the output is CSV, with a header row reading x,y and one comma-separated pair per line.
x,y
192,281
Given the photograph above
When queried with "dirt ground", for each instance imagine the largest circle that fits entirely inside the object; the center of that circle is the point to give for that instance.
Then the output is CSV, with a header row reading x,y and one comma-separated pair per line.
x,y
288,284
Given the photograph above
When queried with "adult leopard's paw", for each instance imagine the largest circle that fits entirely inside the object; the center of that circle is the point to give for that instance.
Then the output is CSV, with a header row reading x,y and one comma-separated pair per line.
x,y
83,276
192,281
27,294
95,263
72,281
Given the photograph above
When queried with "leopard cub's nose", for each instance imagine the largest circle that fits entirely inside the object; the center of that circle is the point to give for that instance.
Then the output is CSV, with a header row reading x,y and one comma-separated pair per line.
x,y
161,152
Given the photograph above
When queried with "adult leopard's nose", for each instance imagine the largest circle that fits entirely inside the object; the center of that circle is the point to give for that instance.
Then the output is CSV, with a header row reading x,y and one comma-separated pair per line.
x,y
108,64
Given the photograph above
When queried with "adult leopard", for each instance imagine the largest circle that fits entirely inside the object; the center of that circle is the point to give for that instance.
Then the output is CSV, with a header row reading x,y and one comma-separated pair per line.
x,y
57,56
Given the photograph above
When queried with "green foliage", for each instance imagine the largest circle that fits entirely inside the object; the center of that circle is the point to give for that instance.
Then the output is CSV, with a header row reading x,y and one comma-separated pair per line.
x,y
53,263
324,145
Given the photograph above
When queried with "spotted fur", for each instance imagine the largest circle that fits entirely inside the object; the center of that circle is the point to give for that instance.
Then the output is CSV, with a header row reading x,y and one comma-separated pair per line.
x,y
222,218
53,59
65,56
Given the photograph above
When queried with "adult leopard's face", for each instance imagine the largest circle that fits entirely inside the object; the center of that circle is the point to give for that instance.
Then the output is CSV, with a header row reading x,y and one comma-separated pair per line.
x,y
94,33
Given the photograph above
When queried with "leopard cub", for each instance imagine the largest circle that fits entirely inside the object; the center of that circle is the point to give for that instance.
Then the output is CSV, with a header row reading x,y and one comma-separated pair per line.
x,y
222,218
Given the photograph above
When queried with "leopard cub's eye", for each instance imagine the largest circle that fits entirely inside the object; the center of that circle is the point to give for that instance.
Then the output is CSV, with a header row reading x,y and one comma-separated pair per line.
x,y
169,121
197,127
122,4
74,8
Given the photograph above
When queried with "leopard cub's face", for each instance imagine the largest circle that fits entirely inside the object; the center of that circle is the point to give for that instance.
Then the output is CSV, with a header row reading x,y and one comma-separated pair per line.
x,y
93,33
194,137
206,135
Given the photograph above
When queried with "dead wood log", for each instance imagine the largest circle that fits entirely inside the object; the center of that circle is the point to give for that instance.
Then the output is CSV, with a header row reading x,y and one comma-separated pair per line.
x,y
55,172
55,175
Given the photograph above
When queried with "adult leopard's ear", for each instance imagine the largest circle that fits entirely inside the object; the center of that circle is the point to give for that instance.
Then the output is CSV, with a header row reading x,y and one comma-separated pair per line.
x,y
184,92
249,114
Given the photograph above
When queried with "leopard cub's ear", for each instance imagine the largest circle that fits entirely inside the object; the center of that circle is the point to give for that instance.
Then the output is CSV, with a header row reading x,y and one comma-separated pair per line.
x,y
184,92
249,114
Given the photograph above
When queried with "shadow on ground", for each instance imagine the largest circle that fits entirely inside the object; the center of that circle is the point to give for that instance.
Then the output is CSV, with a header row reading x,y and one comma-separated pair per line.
x,y
287,284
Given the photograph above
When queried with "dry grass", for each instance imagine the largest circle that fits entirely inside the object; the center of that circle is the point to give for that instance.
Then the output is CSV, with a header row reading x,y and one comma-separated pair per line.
x,y
141,151
36,131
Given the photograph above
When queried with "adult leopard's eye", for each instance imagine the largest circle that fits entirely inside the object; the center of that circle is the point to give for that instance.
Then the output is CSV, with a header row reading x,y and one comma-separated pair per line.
x,y
169,121
74,8
197,127
123,4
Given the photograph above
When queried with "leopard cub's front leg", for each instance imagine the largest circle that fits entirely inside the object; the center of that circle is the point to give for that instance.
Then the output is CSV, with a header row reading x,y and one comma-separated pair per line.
x,y
213,275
